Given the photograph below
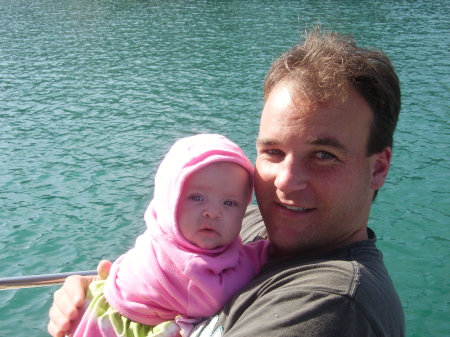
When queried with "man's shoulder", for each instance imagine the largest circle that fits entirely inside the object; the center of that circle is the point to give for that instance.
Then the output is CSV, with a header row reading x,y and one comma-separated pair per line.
x,y
340,277
356,272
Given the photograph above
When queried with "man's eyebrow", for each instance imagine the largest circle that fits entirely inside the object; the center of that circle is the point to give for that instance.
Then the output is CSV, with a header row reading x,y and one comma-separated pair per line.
x,y
266,142
318,141
326,141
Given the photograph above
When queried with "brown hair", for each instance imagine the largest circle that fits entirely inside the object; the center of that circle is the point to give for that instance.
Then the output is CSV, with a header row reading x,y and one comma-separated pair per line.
x,y
326,65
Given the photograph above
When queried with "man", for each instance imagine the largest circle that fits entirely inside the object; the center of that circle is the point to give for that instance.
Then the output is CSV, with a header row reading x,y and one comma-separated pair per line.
x,y
324,149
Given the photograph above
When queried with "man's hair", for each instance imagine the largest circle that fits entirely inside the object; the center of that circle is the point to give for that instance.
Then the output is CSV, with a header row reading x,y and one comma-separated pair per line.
x,y
323,68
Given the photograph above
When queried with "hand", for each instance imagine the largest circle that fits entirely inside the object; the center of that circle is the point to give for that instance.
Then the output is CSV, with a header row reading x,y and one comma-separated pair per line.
x,y
70,297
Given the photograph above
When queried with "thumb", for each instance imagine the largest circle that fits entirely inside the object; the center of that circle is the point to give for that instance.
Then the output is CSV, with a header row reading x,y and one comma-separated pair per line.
x,y
103,269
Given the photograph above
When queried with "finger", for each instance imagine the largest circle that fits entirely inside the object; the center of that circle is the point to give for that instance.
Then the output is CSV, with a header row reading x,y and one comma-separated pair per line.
x,y
103,269
54,331
69,297
58,324
74,292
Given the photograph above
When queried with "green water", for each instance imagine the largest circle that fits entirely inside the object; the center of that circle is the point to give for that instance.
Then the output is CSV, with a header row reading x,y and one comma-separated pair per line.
x,y
93,93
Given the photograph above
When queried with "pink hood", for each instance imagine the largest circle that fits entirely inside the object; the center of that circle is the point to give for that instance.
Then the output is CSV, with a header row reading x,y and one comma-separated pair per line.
x,y
185,157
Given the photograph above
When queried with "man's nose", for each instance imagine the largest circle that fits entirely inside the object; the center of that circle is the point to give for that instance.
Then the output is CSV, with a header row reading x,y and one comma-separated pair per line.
x,y
291,176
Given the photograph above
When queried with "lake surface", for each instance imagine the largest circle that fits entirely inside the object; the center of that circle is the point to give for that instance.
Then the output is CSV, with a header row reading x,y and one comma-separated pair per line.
x,y
93,93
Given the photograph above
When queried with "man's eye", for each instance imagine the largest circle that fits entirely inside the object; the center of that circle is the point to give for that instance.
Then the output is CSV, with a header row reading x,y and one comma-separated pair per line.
x,y
325,155
229,203
274,152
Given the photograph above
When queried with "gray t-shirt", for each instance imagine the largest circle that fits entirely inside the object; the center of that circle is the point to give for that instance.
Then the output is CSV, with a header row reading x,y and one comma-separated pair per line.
x,y
347,292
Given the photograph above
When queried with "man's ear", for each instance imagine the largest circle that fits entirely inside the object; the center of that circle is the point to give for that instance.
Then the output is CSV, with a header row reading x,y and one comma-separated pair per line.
x,y
380,164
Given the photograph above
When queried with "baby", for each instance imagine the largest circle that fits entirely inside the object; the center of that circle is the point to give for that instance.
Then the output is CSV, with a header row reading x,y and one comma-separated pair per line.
x,y
190,261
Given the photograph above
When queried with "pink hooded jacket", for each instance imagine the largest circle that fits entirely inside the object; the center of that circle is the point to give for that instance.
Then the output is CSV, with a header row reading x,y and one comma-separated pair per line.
x,y
164,275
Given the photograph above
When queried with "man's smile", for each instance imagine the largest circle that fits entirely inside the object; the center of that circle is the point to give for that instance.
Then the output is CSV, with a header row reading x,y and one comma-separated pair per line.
x,y
296,209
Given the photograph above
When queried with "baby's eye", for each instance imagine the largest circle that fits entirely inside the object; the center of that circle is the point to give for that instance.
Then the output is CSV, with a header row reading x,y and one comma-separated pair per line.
x,y
229,203
196,198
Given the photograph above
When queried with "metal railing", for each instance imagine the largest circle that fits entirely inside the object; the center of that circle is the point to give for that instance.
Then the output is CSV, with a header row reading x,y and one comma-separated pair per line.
x,y
39,280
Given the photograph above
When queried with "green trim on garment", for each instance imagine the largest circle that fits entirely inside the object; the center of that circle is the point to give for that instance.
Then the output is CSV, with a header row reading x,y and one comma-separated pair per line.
x,y
123,326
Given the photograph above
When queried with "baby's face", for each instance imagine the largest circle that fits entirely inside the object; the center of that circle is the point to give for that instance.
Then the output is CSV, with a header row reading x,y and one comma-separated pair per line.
x,y
212,204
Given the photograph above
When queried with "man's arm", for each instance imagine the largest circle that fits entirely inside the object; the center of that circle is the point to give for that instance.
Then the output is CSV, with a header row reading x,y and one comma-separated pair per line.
x,y
69,298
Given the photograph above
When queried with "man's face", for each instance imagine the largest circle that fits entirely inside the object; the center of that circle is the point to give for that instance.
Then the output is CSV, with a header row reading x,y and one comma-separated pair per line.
x,y
314,182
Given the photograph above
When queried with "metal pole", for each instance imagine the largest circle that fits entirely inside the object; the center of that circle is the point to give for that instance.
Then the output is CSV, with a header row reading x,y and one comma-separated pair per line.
x,y
39,280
